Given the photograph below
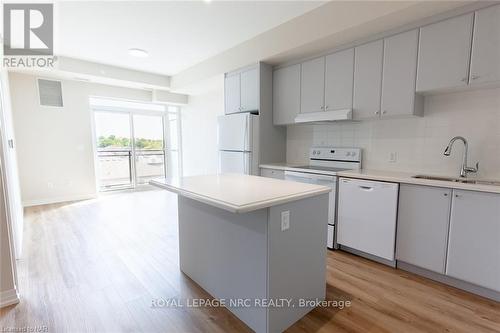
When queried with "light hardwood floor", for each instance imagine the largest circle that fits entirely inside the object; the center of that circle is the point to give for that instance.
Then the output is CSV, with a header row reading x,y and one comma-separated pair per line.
x,y
96,266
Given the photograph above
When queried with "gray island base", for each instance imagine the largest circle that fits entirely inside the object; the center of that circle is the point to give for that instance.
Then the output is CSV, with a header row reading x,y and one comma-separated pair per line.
x,y
267,277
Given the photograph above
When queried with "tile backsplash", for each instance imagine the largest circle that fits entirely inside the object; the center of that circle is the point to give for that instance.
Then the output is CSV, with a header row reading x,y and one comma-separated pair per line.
x,y
416,144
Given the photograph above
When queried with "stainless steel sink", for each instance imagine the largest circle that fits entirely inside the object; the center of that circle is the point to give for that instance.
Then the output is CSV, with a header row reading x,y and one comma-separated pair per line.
x,y
446,179
487,182
460,180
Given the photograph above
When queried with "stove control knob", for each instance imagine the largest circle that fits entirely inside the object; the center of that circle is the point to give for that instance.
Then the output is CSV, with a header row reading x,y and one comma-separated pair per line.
x,y
314,152
348,154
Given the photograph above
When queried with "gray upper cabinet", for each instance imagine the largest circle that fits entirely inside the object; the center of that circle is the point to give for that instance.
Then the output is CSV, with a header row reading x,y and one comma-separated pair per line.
x,y
422,231
390,76
485,63
249,83
367,80
312,87
286,94
339,76
241,91
444,54
399,76
474,241
232,93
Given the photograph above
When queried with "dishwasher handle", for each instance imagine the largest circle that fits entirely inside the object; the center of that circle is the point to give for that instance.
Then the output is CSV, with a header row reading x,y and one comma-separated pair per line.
x,y
366,188
310,176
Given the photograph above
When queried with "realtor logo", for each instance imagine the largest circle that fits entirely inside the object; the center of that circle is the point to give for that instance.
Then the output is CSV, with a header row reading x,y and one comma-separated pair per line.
x,y
28,29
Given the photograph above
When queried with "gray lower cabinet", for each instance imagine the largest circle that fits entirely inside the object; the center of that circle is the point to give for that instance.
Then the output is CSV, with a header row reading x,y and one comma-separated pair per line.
x,y
286,94
422,231
444,54
272,173
485,64
367,80
474,240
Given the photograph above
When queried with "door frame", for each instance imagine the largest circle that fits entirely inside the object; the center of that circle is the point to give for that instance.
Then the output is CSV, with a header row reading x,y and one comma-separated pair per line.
x,y
6,179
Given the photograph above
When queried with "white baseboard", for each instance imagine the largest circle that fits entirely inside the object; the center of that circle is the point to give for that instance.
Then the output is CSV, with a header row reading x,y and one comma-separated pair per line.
x,y
8,297
38,202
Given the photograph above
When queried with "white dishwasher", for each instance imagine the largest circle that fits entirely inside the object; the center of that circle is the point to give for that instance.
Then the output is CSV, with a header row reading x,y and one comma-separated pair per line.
x,y
367,212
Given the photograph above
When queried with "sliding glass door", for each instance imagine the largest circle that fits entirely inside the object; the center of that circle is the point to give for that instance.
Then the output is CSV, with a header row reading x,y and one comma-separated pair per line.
x,y
114,150
135,146
149,147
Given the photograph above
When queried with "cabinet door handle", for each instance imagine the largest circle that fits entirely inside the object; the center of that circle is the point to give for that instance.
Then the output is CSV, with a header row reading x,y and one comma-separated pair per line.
x,y
445,194
377,112
326,107
474,77
464,79
457,196
384,112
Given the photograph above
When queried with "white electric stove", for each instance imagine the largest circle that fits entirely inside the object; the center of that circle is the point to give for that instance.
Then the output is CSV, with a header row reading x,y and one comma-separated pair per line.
x,y
324,163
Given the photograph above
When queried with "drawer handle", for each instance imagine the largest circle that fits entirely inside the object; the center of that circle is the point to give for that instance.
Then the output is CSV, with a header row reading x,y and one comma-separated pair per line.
x,y
366,188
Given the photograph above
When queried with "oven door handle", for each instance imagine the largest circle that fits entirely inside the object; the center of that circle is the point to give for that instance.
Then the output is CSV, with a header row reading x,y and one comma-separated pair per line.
x,y
305,175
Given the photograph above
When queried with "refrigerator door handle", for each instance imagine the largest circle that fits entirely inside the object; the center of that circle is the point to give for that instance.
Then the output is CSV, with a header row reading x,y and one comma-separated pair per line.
x,y
247,163
246,133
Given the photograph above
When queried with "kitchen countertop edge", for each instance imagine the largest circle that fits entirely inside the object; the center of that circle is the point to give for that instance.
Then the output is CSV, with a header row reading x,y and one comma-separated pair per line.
x,y
239,208
391,176
407,178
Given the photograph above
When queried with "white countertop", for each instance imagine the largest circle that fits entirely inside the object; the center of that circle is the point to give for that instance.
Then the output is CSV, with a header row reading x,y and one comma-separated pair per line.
x,y
239,193
393,176
407,178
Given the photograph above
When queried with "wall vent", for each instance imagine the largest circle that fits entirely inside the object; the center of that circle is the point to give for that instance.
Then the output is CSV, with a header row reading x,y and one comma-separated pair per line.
x,y
50,93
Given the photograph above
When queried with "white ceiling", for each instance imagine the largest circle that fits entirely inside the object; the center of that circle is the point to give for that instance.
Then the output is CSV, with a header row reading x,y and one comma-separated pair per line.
x,y
177,34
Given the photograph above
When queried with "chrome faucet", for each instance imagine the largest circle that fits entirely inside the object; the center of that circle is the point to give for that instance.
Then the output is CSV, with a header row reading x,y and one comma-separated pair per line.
x,y
465,169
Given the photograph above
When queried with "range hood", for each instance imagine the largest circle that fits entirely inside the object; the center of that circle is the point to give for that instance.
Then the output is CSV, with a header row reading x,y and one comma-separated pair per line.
x,y
323,116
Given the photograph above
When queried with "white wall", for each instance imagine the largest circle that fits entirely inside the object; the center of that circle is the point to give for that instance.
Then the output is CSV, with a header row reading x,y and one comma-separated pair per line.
x,y
418,142
199,128
54,145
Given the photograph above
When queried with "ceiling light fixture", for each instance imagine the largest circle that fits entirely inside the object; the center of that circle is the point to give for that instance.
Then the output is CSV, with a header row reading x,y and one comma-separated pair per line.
x,y
139,53
207,1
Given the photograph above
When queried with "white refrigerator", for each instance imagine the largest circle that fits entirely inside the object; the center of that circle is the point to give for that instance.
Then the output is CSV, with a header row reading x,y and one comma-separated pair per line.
x,y
238,136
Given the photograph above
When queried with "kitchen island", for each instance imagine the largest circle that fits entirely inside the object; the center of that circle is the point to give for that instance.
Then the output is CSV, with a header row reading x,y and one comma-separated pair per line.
x,y
258,244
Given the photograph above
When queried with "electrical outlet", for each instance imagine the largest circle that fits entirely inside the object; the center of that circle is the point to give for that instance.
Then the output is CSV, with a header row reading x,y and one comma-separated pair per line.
x,y
285,220
393,157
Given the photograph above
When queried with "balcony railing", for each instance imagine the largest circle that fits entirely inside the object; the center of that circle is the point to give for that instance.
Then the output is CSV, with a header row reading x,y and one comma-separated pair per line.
x,y
116,167
149,164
